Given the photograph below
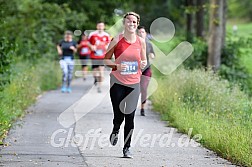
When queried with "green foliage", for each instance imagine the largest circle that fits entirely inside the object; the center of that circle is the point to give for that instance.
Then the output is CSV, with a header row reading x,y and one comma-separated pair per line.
x,y
40,26
198,59
240,9
168,46
86,13
221,113
150,10
7,52
232,67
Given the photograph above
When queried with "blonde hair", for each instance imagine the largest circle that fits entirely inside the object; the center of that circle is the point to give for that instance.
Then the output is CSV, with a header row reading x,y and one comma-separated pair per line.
x,y
133,14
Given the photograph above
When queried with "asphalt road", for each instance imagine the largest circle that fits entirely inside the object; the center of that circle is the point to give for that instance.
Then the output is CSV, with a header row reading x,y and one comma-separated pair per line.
x,y
72,130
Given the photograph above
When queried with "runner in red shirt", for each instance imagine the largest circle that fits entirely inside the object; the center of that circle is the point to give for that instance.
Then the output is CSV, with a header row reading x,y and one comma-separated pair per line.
x,y
84,53
99,41
130,57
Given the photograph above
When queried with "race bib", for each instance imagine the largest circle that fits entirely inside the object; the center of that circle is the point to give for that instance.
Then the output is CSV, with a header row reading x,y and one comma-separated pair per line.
x,y
84,51
132,67
99,52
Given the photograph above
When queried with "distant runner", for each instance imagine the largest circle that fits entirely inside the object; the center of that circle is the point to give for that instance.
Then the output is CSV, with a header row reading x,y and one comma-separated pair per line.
x,y
146,73
99,41
66,49
84,53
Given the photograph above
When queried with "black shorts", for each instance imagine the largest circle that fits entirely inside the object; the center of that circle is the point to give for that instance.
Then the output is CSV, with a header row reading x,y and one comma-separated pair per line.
x,y
97,63
84,60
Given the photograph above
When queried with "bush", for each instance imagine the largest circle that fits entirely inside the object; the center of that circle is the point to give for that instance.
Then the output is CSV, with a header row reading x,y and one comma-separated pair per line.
x,y
198,59
221,113
7,52
232,68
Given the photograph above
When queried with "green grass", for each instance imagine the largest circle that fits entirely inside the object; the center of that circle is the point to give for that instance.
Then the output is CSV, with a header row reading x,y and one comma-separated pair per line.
x,y
26,84
244,29
200,100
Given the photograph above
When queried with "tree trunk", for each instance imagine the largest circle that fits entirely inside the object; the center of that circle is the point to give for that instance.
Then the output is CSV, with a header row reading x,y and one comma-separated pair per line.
x,y
189,21
200,18
224,23
215,34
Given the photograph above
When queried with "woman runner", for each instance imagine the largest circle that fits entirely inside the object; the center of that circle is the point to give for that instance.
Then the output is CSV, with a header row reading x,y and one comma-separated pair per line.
x,y
130,57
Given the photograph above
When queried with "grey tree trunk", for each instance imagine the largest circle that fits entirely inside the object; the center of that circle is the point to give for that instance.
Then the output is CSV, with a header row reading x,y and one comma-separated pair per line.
x,y
216,33
200,18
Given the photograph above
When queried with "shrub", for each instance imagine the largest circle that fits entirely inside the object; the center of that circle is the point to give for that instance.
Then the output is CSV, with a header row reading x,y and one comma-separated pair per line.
x,y
7,52
198,59
233,68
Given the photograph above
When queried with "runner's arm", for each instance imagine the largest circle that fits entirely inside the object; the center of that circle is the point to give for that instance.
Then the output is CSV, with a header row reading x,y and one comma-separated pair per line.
x,y
110,51
91,40
59,50
152,53
79,46
143,54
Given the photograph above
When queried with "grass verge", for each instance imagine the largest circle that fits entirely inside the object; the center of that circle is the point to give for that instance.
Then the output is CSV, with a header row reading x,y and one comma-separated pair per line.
x,y
220,113
27,82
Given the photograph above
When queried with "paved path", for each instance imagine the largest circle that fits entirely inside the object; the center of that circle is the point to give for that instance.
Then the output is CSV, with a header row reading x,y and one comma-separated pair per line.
x,y
40,140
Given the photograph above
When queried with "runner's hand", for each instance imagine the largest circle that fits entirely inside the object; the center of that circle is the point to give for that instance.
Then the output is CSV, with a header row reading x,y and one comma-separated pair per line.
x,y
143,64
60,52
121,67
93,47
151,55
72,48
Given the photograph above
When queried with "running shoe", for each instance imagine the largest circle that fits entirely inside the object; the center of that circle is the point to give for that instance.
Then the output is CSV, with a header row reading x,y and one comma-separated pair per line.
x,y
95,81
142,112
63,89
127,153
99,90
113,138
69,90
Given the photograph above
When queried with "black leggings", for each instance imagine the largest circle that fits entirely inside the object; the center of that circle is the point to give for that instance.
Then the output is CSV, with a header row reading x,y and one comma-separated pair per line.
x,y
124,100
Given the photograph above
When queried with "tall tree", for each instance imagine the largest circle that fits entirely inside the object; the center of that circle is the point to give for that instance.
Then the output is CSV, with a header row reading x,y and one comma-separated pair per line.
x,y
224,17
200,18
189,20
216,33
